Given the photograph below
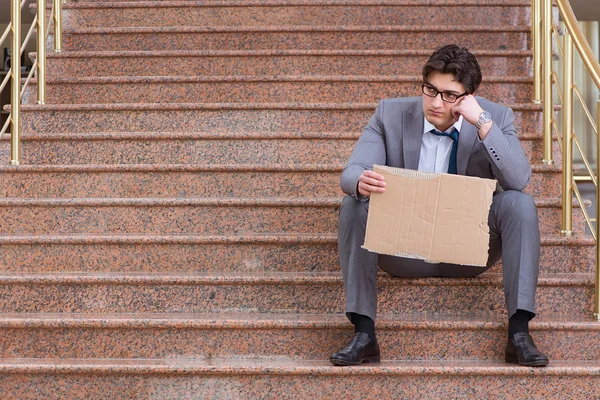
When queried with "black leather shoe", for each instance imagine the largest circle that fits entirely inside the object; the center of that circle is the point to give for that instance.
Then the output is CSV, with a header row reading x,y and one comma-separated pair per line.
x,y
361,349
521,350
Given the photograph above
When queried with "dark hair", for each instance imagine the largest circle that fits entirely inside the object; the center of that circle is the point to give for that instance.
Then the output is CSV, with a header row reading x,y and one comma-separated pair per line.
x,y
457,61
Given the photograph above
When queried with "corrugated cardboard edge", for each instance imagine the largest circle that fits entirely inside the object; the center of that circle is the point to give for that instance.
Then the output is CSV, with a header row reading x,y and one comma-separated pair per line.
x,y
422,175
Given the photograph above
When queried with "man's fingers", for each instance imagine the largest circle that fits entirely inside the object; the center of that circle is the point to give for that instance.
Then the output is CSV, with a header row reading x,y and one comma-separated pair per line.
x,y
373,182
366,189
369,182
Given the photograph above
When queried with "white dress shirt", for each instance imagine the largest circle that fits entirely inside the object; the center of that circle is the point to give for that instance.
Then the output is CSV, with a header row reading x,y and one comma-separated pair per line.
x,y
435,150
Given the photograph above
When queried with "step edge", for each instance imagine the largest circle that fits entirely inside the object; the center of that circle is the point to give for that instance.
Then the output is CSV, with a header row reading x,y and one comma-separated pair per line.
x,y
279,3
298,28
241,321
270,53
292,367
288,238
269,278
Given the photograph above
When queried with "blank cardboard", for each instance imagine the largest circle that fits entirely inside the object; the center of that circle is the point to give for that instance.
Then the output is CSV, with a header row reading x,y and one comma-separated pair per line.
x,y
430,216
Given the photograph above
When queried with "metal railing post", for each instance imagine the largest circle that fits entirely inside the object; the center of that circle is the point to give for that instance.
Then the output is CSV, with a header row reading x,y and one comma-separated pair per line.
x,y
41,51
547,94
597,286
15,95
567,128
57,26
536,10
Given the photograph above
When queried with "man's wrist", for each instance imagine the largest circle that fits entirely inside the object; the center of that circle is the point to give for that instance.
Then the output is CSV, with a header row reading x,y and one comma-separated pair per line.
x,y
484,130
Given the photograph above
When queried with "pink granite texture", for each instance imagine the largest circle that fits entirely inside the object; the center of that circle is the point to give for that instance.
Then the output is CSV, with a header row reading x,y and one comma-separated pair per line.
x,y
274,336
164,180
198,181
210,215
192,13
257,379
135,150
213,216
197,149
188,249
295,38
269,292
225,118
241,253
285,89
268,62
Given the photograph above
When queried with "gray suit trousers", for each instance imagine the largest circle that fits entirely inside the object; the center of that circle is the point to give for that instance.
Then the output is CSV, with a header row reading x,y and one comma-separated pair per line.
x,y
514,236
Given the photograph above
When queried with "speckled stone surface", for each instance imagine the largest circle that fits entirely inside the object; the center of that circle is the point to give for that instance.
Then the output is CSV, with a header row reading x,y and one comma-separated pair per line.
x,y
273,336
570,294
257,89
189,13
163,180
267,62
164,216
242,253
200,215
200,180
225,118
292,379
136,208
202,149
290,38
193,151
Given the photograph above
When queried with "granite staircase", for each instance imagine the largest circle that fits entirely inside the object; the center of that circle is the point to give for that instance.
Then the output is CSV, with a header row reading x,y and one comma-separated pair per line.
x,y
171,232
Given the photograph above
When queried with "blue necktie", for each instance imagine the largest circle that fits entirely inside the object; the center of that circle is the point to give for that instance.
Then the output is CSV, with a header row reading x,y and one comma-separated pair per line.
x,y
454,136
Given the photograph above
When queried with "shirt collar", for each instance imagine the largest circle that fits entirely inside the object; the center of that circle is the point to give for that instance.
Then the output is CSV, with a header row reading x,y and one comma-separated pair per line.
x,y
427,126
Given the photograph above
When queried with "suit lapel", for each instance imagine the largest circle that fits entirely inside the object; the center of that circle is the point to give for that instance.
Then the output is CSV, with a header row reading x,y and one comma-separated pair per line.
x,y
466,139
412,135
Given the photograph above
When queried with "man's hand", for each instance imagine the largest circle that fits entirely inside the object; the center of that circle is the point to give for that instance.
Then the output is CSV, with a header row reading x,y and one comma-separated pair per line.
x,y
370,182
470,109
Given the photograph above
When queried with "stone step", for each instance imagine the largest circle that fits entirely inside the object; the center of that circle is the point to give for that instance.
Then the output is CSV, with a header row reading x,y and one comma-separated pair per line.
x,y
204,216
163,180
188,13
225,118
273,336
495,37
243,89
287,378
267,62
236,253
199,180
132,148
248,3
275,292
209,216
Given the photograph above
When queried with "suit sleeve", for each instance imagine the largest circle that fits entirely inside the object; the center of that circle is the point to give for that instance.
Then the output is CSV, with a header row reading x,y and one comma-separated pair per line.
x,y
507,159
369,150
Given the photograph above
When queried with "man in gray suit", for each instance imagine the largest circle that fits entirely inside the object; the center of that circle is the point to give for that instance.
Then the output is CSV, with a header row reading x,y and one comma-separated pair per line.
x,y
447,130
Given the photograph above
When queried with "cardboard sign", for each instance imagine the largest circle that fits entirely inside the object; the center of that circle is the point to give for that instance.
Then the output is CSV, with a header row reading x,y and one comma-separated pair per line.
x,y
430,216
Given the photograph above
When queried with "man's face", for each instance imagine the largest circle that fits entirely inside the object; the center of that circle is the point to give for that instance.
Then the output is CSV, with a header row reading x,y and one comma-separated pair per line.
x,y
437,111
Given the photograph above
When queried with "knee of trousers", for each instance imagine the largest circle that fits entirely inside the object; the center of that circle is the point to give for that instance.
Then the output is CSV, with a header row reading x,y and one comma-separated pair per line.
x,y
353,214
517,205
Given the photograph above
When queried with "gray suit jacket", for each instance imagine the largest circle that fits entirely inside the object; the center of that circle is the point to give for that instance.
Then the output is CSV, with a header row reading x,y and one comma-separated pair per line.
x,y
393,137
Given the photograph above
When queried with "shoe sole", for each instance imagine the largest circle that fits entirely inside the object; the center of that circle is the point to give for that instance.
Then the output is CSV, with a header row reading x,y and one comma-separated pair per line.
x,y
515,360
367,360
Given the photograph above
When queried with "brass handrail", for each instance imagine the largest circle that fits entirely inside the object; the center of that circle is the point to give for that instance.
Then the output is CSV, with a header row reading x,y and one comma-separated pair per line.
x,y
39,66
15,73
543,30
583,47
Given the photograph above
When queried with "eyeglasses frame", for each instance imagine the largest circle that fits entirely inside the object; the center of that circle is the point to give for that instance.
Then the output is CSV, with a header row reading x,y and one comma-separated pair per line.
x,y
441,93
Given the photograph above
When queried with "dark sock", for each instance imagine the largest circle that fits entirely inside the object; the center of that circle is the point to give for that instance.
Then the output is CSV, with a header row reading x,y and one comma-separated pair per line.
x,y
519,322
362,323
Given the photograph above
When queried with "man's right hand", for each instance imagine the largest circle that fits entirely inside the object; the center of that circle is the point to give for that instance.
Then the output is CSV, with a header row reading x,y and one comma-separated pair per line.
x,y
370,182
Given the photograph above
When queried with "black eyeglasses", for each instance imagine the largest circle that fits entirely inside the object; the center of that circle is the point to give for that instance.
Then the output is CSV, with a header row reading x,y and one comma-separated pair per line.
x,y
448,97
